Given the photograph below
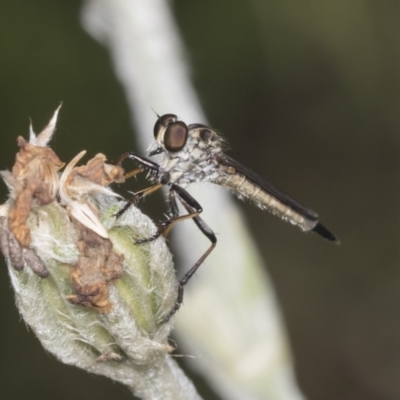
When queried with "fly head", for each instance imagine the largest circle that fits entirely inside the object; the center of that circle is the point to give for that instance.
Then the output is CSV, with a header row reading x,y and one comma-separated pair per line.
x,y
170,134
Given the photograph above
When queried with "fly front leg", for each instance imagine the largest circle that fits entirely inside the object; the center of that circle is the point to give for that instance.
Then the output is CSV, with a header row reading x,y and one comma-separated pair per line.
x,y
143,162
194,209
144,165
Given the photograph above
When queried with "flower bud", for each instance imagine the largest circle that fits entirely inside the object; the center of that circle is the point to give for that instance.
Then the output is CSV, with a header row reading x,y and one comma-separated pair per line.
x,y
93,296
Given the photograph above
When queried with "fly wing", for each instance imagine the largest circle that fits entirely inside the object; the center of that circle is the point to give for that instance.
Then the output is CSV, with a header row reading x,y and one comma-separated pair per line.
x,y
246,183
257,180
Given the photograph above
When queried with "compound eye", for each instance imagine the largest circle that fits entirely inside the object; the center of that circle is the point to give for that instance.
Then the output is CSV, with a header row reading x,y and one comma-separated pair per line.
x,y
175,136
163,122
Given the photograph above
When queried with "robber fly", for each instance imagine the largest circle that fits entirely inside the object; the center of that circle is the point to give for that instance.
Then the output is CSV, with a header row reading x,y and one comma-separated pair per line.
x,y
195,153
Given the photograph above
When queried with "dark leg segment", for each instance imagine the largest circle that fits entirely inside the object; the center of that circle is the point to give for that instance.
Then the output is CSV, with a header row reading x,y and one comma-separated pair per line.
x,y
164,227
173,205
144,165
143,162
194,209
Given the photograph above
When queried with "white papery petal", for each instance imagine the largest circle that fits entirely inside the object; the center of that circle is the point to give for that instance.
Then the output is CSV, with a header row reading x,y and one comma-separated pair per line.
x,y
84,214
45,136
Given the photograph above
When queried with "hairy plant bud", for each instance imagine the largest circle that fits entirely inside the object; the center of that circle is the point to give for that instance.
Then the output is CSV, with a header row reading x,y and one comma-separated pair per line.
x,y
93,296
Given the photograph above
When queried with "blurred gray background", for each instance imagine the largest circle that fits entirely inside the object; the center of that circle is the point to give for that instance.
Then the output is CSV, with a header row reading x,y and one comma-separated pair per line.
x,y
308,95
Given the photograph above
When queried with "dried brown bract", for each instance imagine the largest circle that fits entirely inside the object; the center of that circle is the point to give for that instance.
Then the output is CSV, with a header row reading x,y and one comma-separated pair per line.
x,y
34,182
35,175
96,171
98,265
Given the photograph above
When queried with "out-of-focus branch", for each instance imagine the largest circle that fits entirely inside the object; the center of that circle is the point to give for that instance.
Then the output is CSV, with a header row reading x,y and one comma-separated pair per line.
x,y
230,317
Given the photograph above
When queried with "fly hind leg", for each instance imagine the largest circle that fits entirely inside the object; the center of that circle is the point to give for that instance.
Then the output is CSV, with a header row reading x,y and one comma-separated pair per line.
x,y
194,209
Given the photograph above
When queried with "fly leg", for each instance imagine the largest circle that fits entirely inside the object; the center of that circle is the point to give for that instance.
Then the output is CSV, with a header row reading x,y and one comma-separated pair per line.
x,y
173,205
134,172
164,227
144,165
137,196
194,209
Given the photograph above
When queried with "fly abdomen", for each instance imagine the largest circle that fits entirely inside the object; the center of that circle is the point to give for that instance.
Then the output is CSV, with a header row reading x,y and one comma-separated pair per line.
x,y
243,187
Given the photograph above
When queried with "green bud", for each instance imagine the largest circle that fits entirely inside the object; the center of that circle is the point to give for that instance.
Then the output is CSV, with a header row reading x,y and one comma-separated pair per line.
x,y
93,297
